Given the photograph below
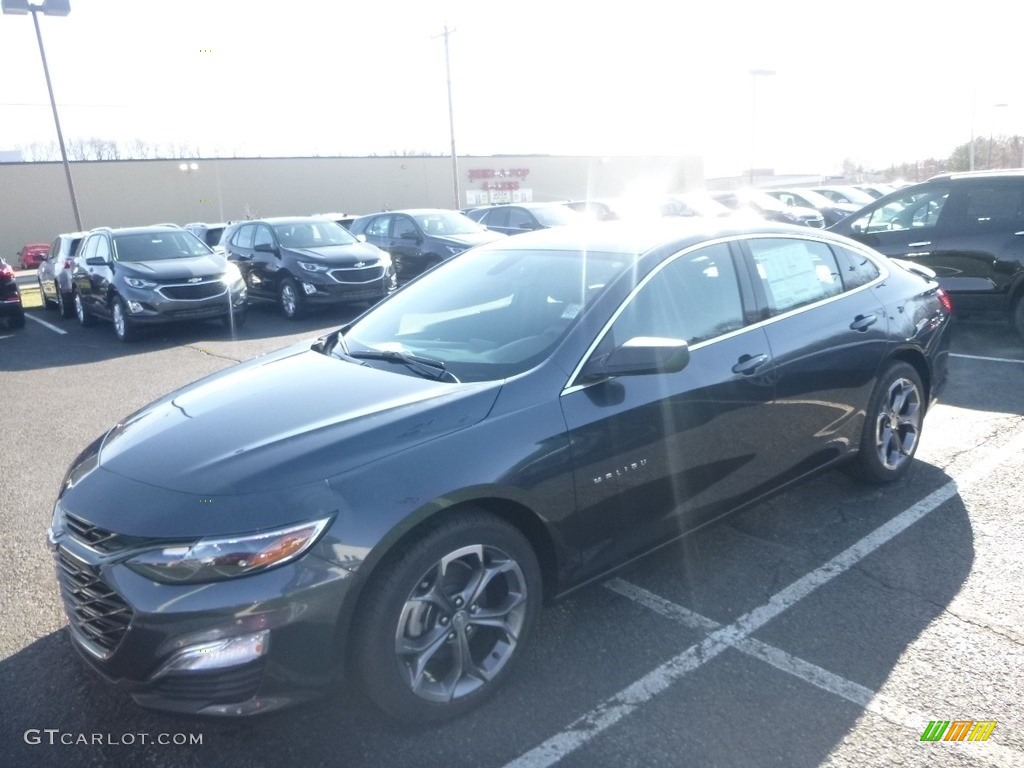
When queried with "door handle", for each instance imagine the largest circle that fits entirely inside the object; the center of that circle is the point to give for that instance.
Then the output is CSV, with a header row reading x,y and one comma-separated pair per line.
x,y
863,322
748,364
921,244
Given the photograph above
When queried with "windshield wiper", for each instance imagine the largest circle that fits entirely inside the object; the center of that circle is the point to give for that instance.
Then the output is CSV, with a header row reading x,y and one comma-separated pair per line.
x,y
425,366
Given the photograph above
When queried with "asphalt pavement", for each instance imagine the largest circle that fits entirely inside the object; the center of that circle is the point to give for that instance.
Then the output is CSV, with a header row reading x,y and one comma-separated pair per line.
x,y
825,627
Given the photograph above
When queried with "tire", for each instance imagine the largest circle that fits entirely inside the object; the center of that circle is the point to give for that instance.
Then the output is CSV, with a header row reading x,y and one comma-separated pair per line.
x,y
290,299
16,320
892,426
47,304
124,329
1017,317
65,304
84,318
428,605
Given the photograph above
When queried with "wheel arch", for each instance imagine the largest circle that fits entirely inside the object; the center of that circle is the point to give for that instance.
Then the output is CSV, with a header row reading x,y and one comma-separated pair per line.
x,y
916,359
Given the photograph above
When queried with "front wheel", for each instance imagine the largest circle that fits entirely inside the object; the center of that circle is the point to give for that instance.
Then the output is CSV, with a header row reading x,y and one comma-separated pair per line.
x,y
290,299
892,428
444,620
65,304
123,328
47,304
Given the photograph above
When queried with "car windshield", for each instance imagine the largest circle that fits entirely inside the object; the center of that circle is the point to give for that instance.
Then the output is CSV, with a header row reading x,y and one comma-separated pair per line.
x,y
313,233
156,246
443,223
490,313
556,215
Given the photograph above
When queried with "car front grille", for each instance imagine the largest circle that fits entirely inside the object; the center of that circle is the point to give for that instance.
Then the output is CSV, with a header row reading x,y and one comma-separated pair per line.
x,y
194,292
96,612
357,274
100,539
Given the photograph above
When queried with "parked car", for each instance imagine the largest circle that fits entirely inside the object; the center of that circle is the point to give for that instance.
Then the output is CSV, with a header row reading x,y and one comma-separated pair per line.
x,y
344,219
845,194
307,261
209,233
11,308
647,208
394,500
55,274
144,276
830,211
421,238
768,208
32,255
876,190
524,217
967,227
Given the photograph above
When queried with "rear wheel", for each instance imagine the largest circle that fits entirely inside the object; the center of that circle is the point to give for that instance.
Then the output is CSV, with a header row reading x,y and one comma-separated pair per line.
x,y
1018,315
442,623
84,318
65,303
892,429
291,299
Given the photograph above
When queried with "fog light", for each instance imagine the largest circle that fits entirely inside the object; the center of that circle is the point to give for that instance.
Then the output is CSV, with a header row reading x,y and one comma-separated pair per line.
x,y
218,654
309,288
134,307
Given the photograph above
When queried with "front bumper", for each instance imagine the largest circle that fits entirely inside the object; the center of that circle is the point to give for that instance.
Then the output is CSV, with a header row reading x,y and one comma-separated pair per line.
x,y
151,307
128,628
322,288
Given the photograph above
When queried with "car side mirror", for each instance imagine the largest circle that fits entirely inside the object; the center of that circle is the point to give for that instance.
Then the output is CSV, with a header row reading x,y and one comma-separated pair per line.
x,y
97,261
639,356
265,248
361,237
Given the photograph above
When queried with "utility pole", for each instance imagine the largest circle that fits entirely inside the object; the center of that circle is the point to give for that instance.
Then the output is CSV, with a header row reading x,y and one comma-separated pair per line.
x,y
451,115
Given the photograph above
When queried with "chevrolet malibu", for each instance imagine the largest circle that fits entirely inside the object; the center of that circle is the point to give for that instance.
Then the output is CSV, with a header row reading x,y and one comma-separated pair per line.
x,y
390,504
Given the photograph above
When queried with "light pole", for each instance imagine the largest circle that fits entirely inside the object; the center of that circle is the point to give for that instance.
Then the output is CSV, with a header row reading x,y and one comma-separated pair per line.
x,y
49,8
451,115
754,74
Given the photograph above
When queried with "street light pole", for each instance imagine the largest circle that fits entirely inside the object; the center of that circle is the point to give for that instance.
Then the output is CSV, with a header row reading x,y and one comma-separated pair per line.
x,y
451,115
49,8
754,73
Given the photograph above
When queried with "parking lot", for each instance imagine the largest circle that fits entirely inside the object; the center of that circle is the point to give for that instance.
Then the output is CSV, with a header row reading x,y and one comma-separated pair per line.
x,y
827,626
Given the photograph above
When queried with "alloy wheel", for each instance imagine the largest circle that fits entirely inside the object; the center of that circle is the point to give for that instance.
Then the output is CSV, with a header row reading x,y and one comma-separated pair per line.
x,y
898,424
460,625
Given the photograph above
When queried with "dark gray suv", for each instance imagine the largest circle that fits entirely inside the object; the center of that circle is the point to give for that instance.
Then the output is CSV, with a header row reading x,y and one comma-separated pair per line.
x,y
966,227
150,275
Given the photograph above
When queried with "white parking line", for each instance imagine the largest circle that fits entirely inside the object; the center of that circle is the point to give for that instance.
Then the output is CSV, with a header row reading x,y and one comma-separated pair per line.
x,y
53,328
870,700
632,697
988,359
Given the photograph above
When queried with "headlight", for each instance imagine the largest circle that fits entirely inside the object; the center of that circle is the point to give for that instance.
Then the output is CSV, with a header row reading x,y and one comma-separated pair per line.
x,y
136,282
454,249
385,259
231,275
226,558
311,267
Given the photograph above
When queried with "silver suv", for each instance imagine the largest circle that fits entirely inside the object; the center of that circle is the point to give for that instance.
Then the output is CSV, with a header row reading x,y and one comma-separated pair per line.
x,y
55,273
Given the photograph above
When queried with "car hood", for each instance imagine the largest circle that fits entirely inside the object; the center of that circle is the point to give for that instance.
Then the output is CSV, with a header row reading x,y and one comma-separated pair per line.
x,y
175,269
473,238
293,418
339,255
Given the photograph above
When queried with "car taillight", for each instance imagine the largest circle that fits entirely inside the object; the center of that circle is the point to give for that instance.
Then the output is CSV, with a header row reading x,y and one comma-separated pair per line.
x,y
6,271
68,263
945,300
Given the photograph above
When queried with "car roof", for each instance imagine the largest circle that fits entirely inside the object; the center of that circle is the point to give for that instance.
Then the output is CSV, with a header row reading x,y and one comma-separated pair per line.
x,y
1003,173
627,238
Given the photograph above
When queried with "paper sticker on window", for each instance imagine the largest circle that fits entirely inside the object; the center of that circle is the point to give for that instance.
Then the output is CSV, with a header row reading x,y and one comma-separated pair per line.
x,y
571,310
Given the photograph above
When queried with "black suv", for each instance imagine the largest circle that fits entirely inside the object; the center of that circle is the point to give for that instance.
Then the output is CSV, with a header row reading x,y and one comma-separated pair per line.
x,y
421,238
10,297
966,227
307,260
150,275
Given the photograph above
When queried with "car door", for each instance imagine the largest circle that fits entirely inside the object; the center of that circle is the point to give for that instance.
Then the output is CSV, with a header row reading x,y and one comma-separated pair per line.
x,y
906,226
496,219
240,251
521,220
266,259
656,455
406,245
828,335
100,268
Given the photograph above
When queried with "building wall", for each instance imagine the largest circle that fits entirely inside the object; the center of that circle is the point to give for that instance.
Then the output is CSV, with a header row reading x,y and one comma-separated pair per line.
x,y
35,205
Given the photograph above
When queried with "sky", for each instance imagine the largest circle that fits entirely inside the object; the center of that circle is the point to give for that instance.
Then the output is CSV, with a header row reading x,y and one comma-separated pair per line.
x,y
876,82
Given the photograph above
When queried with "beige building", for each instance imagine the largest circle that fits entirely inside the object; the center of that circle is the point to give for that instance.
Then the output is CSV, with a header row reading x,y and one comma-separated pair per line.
x,y
35,205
